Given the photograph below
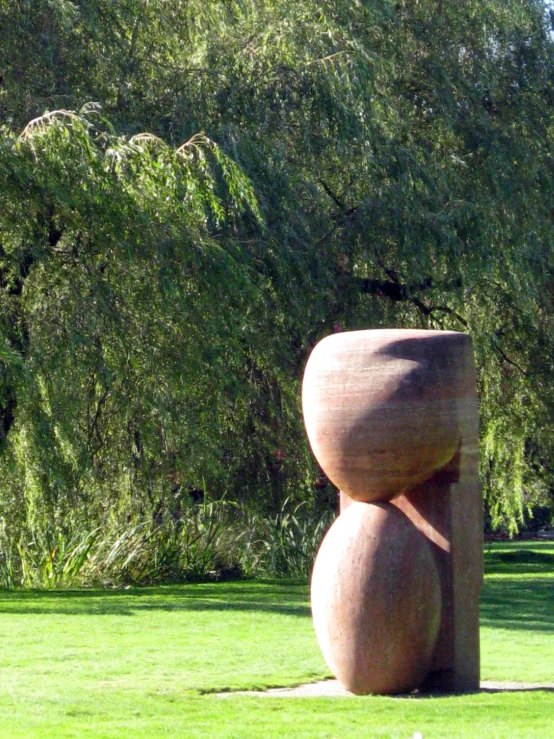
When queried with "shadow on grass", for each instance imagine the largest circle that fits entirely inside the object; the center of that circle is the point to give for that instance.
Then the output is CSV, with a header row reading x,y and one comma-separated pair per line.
x,y
319,689
521,597
522,602
519,561
540,689
286,598
518,604
506,689
506,603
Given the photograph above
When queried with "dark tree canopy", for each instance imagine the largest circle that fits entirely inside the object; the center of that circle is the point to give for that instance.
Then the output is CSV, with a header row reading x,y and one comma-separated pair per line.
x,y
192,194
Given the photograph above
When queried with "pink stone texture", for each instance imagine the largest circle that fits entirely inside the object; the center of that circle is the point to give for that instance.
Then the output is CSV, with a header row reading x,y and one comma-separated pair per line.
x,y
376,600
392,419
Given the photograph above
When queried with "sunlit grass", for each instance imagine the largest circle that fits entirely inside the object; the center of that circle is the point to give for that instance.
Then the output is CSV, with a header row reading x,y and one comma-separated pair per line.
x,y
146,662
517,612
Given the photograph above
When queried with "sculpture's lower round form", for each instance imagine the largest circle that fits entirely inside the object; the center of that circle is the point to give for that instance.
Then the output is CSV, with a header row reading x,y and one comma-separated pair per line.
x,y
376,600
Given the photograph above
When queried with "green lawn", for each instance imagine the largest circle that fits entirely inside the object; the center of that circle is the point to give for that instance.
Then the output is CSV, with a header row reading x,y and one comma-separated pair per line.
x,y
145,663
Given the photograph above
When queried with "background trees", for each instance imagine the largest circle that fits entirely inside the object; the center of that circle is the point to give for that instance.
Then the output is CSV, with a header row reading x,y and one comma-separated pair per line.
x,y
345,164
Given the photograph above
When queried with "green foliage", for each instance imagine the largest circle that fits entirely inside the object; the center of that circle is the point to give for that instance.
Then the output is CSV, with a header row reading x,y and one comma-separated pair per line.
x,y
364,164
208,542
289,541
126,283
199,547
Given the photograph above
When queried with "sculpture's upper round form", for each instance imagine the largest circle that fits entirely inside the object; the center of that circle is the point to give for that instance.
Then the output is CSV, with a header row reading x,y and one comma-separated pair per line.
x,y
381,407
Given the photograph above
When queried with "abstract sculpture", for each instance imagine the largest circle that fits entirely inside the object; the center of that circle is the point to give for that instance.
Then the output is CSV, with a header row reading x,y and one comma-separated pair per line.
x,y
391,416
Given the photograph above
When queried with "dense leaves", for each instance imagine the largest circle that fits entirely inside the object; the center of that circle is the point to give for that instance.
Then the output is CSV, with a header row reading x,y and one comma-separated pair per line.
x,y
347,164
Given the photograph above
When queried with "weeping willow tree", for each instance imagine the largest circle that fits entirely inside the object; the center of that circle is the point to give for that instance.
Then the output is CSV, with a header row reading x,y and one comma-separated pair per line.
x,y
348,164
118,360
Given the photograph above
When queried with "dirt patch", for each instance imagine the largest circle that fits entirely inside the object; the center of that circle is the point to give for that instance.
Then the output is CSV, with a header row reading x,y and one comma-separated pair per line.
x,y
332,689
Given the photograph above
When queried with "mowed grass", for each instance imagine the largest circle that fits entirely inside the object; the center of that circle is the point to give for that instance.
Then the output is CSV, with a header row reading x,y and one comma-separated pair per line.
x,y
146,663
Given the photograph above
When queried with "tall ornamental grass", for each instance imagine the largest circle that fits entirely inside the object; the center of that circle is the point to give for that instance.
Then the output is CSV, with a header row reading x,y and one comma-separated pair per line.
x,y
208,542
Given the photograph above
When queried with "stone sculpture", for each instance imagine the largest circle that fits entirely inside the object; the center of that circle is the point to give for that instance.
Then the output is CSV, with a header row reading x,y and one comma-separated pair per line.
x,y
391,416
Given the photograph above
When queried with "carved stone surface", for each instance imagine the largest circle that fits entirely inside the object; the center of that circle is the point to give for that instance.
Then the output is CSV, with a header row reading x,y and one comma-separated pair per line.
x,y
392,416
376,600
380,409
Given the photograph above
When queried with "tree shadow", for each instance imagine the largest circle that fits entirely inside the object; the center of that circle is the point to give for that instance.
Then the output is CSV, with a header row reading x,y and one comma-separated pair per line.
x,y
515,603
534,689
519,561
521,597
286,598
522,602
424,695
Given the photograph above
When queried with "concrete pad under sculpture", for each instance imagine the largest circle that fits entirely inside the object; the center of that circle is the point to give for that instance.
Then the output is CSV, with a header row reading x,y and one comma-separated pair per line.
x,y
392,416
